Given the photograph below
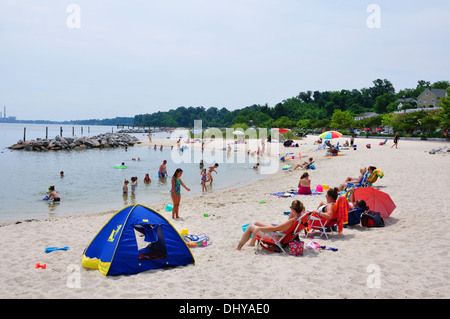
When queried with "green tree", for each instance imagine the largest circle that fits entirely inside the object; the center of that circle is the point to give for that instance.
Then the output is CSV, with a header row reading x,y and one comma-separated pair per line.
x,y
285,122
381,87
382,102
341,119
444,115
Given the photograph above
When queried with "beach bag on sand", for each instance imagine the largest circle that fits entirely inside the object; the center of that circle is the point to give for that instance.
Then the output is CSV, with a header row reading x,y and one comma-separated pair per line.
x,y
296,248
371,219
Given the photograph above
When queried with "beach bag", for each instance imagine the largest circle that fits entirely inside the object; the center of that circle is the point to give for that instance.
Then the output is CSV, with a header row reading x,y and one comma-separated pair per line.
x,y
296,248
371,219
354,216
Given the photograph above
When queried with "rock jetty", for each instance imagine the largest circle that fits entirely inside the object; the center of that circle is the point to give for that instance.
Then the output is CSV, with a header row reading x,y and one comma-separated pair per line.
x,y
106,140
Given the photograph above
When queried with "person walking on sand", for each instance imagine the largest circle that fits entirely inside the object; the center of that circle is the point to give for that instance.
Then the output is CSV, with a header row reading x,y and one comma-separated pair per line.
x,y
396,138
175,191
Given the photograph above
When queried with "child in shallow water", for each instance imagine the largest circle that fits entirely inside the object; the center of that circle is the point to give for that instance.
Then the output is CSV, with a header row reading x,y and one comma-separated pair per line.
x,y
133,184
53,194
125,186
204,178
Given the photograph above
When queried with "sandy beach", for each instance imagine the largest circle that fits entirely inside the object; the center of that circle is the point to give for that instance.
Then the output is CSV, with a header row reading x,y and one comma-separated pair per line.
x,y
409,257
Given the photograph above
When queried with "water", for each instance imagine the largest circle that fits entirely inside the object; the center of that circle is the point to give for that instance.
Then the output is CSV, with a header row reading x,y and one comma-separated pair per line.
x,y
91,183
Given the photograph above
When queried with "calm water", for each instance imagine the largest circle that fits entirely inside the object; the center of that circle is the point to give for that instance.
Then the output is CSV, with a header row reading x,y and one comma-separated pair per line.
x,y
91,183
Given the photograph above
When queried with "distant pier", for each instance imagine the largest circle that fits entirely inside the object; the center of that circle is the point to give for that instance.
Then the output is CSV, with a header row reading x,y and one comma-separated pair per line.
x,y
125,128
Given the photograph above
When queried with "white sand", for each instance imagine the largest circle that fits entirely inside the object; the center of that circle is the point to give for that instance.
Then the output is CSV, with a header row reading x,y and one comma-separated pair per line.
x,y
410,256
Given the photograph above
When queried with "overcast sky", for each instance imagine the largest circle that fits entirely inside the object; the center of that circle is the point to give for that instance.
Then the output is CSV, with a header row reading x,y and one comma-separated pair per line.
x,y
122,58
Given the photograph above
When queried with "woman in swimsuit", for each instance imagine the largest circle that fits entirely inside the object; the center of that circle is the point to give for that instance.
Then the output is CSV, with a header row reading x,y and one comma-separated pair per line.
x,y
351,180
297,210
175,191
304,185
326,209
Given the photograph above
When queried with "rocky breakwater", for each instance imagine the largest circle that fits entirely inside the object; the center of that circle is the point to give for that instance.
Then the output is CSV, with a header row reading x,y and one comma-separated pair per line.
x,y
77,143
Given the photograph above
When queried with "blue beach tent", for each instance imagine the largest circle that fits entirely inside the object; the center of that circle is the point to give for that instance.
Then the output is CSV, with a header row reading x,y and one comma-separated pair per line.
x,y
136,239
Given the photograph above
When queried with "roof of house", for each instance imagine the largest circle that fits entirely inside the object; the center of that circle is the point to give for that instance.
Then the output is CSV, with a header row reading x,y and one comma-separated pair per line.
x,y
406,100
437,92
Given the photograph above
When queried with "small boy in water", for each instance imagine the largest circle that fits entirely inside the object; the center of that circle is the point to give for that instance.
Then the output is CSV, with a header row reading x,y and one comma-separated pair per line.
x,y
53,194
125,186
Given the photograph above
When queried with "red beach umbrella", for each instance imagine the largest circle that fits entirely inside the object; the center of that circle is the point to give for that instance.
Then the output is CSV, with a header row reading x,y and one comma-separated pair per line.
x,y
377,200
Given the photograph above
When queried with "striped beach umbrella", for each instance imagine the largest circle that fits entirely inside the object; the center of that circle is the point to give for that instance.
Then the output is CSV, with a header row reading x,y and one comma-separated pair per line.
x,y
330,134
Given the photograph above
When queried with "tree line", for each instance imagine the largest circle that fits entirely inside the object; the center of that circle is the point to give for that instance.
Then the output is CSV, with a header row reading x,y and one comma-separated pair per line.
x,y
310,110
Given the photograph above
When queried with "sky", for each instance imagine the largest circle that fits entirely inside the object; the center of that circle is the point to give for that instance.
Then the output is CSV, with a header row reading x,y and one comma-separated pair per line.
x,y
96,59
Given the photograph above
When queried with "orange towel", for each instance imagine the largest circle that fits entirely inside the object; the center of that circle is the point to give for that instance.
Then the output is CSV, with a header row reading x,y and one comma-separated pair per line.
x,y
341,212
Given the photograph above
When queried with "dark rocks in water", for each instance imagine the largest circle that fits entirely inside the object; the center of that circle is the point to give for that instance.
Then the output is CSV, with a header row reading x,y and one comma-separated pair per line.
x,y
77,143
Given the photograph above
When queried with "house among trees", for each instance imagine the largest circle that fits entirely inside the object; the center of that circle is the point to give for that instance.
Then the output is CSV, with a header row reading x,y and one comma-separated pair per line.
x,y
406,100
365,116
431,98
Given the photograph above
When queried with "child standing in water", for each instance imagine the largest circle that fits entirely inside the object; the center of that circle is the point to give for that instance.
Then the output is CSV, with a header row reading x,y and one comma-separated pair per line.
x,y
133,184
125,187
209,173
175,191
204,178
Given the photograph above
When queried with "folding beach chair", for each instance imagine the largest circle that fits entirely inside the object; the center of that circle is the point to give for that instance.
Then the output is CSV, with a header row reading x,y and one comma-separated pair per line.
x,y
362,182
321,225
278,241
339,218
373,177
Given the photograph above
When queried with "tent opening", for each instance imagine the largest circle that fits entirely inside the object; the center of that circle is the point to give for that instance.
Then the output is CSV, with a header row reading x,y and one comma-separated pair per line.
x,y
150,242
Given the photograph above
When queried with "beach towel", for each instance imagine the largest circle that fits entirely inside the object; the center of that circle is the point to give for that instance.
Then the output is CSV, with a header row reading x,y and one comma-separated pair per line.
x,y
293,192
341,212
